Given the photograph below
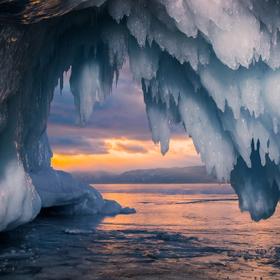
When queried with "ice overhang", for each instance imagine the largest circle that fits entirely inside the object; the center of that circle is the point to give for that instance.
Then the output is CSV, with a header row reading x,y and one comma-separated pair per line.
x,y
211,66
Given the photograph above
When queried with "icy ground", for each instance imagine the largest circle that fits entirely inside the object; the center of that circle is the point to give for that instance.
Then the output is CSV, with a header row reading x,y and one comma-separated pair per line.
x,y
169,237
212,66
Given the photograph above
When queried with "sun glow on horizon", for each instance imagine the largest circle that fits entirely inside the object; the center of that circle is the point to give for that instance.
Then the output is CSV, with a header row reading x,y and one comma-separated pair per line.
x,y
124,154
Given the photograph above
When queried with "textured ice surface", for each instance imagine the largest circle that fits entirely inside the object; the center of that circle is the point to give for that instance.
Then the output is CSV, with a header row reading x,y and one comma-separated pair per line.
x,y
209,65
19,200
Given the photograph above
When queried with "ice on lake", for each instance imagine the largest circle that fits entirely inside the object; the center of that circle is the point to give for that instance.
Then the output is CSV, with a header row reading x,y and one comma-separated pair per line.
x,y
177,232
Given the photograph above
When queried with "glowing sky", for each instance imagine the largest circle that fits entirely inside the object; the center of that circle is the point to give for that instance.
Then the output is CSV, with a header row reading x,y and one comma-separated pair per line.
x,y
116,138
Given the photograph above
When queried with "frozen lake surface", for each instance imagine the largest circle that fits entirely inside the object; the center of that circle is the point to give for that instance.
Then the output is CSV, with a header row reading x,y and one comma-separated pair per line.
x,y
178,232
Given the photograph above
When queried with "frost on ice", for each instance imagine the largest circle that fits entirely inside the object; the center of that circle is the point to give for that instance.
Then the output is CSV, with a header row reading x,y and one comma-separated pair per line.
x,y
212,66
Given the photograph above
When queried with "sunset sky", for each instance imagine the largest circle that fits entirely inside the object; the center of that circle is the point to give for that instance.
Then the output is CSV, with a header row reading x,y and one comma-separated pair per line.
x,y
117,137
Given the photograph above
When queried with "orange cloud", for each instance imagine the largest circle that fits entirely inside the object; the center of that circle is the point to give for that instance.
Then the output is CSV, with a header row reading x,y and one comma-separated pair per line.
x,y
124,154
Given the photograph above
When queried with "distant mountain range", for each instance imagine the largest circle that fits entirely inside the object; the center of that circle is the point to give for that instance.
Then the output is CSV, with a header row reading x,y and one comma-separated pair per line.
x,y
192,174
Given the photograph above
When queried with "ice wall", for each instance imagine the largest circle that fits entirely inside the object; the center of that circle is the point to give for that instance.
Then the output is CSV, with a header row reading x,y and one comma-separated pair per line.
x,y
209,65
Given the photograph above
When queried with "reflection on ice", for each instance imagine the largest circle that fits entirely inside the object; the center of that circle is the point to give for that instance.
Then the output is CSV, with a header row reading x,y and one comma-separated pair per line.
x,y
183,241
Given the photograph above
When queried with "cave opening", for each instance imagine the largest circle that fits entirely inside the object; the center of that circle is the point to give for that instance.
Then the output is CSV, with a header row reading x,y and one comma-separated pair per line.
x,y
187,77
117,135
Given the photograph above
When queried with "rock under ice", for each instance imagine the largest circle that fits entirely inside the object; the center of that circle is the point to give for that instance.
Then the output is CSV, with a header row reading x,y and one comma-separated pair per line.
x,y
212,66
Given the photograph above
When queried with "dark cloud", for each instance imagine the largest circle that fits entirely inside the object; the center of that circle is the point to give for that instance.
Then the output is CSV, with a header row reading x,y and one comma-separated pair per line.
x,y
118,116
62,109
77,145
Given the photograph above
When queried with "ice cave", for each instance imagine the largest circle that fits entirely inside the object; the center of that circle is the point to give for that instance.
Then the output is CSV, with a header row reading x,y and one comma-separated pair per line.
x,y
212,66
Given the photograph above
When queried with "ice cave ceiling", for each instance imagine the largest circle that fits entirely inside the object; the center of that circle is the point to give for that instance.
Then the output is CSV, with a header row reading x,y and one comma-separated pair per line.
x,y
209,65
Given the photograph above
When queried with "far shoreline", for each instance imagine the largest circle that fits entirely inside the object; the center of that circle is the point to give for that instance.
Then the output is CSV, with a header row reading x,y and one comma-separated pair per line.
x,y
159,183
